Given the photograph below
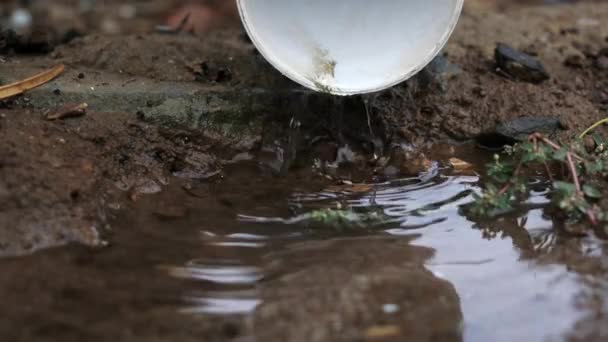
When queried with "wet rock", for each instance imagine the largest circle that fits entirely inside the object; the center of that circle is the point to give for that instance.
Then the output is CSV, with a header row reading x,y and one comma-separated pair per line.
x,y
517,130
438,73
519,65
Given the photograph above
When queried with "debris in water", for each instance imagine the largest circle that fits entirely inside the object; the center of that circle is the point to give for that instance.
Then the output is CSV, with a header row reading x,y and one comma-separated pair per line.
x,y
335,218
519,65
410,163
460,165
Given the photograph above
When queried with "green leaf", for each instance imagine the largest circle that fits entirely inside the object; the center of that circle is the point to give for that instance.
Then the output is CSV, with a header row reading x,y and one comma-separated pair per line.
x,y
598,140
582,205
595,167
565,187
561,155
591,191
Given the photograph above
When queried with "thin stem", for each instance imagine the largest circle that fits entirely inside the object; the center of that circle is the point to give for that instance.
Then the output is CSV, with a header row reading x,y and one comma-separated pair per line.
x,y
555,146
548,170
515,174
594,126
592,218
573,172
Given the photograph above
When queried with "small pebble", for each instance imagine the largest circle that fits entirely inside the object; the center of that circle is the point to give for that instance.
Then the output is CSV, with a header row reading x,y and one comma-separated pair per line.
x,y
574,61
589,144
602,63
390,308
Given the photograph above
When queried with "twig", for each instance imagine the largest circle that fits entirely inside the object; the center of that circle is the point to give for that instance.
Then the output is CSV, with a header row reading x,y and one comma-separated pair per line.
x,y
19,87
548,170
555,146
592,218
67,111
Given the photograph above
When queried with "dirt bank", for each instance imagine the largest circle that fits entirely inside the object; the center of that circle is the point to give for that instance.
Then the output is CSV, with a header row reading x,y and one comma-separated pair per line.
x,y
59,177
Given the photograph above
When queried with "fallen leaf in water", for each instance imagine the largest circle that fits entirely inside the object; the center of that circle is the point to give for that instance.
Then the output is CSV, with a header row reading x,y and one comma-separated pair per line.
x,y
67,111
19,87
382,331
459,164
415,164
356,188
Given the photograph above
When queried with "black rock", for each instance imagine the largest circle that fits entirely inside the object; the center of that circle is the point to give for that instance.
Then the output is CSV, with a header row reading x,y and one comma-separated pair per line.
x,y
518,130
519,65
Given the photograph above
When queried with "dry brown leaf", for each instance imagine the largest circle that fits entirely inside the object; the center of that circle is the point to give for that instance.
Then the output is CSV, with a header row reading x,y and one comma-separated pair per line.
x,y
382,332
67,111
19,87
357,188
460,165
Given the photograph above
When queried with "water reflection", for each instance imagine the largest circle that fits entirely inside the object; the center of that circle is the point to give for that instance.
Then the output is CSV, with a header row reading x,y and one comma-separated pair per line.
x,y
227,303
349,289
503,292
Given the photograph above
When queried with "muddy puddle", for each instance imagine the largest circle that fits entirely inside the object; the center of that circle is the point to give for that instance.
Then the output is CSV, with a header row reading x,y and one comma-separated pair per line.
x,y
241,257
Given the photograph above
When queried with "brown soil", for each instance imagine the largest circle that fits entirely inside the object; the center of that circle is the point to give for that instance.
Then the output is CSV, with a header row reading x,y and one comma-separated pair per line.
x,y
58,177
480,98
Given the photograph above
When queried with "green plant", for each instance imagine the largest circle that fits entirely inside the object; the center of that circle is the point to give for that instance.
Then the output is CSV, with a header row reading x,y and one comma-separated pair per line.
x,y
575,175
345,218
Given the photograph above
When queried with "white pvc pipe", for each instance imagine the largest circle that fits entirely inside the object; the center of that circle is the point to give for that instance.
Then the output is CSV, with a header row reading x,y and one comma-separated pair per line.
x,y
347,47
